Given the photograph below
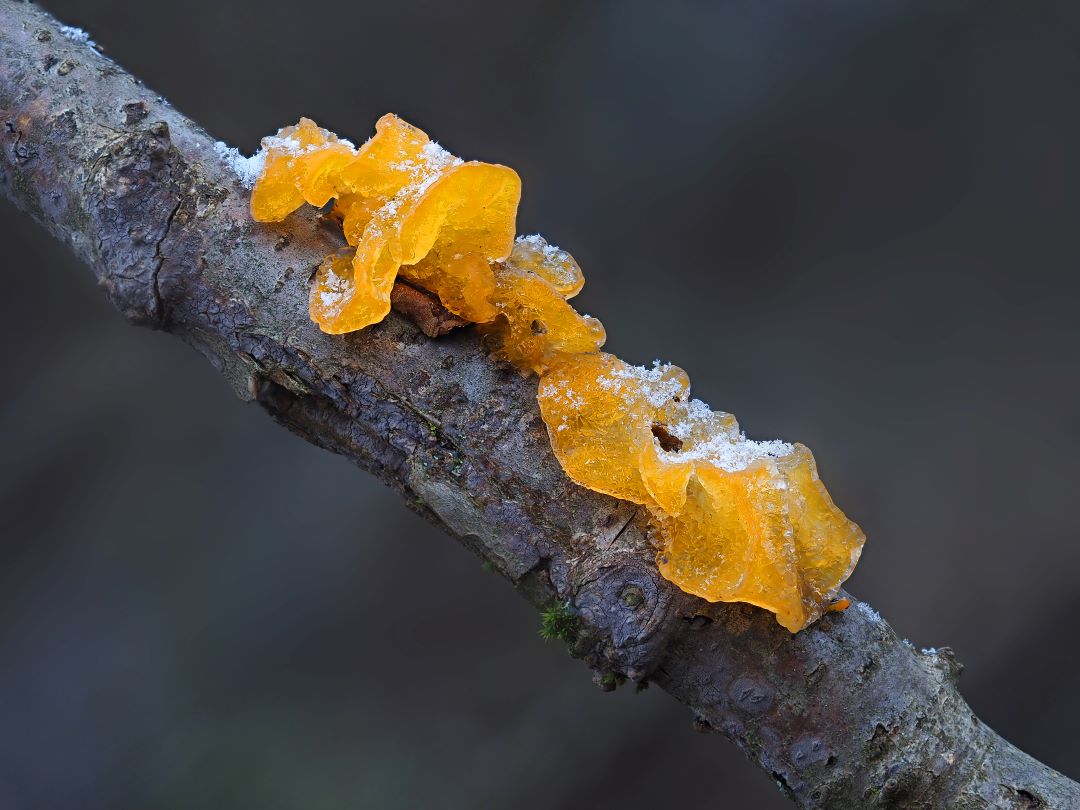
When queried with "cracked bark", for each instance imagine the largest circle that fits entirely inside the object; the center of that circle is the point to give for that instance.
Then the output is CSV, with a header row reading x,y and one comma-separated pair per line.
x,y
842,715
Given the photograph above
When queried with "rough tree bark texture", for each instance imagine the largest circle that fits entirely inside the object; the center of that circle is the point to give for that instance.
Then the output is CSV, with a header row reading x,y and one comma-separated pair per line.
x,y
842,715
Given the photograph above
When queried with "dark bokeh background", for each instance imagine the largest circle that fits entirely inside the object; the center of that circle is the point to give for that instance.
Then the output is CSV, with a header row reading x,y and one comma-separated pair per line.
x,y
853,223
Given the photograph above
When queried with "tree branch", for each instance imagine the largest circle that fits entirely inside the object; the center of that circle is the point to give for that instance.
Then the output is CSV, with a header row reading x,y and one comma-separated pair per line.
x,y
842,715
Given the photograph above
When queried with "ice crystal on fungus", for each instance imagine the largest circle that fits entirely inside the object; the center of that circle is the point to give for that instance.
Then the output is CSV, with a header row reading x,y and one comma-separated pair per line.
x,y
739,520
735,520
406,205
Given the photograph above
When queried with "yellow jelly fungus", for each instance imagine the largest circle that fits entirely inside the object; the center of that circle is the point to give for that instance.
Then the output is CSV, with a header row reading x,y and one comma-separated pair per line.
x,y
535,325
738,520
734,520
402,199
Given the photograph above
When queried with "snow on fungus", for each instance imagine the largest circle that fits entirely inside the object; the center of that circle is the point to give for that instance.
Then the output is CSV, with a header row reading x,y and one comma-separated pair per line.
x,y
534,324
737,520
407,206
734,520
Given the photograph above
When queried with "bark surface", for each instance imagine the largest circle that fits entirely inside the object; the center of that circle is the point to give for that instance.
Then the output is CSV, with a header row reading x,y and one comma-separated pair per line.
x,y
842,715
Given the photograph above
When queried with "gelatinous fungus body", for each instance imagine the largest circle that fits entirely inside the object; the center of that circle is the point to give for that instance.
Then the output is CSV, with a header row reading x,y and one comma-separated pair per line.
x,y
736,520
534,324
406,205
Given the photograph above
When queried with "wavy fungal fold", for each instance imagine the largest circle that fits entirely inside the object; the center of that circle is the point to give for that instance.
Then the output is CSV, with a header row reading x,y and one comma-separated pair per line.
x,y
733,520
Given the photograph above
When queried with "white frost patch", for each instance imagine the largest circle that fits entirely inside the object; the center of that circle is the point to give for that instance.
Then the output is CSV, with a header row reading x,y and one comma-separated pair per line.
x,y
287,144
725,448
658,383
660,393
735,456
534,253
247,169
435,161
868,612
336,290
429,166
77,35
553,254
438,156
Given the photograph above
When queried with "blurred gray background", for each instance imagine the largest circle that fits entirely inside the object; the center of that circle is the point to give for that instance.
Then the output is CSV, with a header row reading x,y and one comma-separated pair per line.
x,y
853,223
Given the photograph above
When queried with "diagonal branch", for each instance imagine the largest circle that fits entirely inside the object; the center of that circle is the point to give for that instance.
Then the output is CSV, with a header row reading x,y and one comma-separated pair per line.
x,y
842,715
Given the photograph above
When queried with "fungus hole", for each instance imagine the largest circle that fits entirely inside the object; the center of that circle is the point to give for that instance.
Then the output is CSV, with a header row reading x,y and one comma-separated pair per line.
x,y
668,442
